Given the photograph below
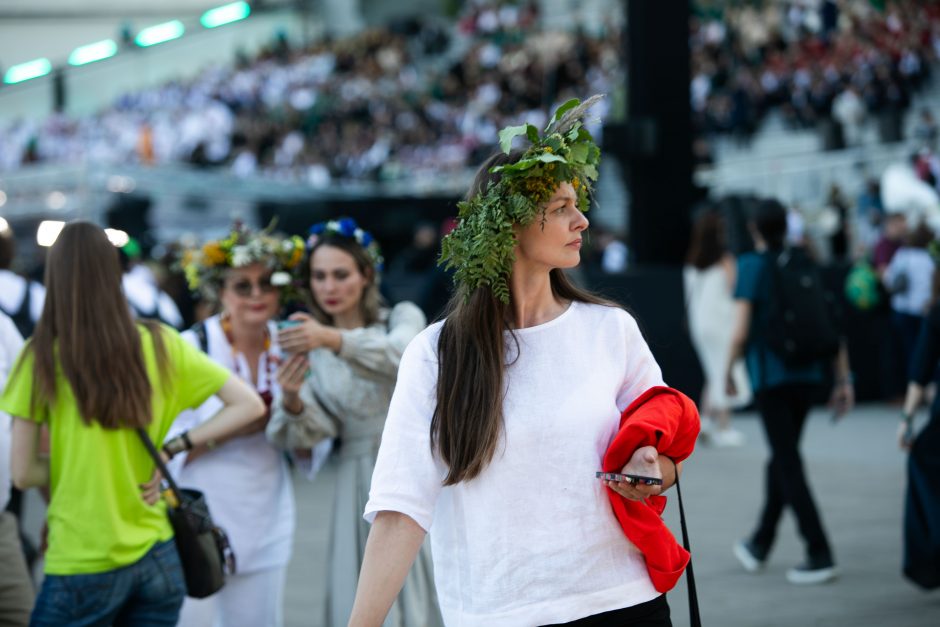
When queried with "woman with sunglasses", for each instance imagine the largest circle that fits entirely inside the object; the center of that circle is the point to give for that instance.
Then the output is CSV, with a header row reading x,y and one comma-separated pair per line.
x,y
93,375
245,479
351,346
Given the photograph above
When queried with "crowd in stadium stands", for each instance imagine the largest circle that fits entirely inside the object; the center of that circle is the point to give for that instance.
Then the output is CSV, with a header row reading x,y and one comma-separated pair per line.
x,y
383,104
833,68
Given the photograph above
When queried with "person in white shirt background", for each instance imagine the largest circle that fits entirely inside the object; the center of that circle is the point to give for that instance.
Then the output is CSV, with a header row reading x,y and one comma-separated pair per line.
x,y
245,479
20,298
16,588
908,278
500,416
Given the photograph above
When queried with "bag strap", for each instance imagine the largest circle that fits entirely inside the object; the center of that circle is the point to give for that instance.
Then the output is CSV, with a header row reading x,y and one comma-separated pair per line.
x,y
148,444
695,619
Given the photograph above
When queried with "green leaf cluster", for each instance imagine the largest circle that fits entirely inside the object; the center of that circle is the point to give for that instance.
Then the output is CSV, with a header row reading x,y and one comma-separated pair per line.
x,y
481,249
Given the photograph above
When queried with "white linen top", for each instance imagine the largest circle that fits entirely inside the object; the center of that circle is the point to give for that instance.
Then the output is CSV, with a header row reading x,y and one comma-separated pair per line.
x,y
11,343
245,480
533,539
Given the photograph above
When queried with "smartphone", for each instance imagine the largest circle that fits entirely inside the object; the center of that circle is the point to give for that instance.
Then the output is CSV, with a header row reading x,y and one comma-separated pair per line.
x,y
634,479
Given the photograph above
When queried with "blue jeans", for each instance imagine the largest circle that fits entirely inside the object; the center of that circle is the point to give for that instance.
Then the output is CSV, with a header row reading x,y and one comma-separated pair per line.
x,y
148,593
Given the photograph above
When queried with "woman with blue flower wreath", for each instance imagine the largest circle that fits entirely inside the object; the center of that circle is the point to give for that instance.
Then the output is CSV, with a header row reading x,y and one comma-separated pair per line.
x,y
339,377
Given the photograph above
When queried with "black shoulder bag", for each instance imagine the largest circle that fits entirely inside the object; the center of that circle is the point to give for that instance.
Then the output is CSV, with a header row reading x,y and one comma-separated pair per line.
x,y
695,619
203,546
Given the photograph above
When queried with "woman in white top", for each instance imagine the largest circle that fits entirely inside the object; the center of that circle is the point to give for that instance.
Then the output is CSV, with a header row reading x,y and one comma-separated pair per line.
x,y
908,278
245,479
502,414
709,277
340,375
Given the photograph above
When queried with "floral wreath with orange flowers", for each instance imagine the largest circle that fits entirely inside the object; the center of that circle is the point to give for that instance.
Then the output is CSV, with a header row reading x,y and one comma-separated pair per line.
x,y
205,266
481,247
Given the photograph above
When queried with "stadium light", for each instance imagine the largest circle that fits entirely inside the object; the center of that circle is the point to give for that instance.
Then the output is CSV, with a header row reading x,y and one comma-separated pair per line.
x,y
26,71
159,33
225,14
93,52
117,237
4,225
48,232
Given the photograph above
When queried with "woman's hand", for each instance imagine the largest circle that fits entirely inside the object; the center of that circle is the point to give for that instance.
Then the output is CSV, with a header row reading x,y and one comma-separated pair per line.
x,y
731,388
905,435
842,399
303,337
645,462
150,491
291,375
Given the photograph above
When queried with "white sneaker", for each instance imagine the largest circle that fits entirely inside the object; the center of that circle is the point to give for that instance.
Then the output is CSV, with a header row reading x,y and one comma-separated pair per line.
x,y
749,561
727,437
807,574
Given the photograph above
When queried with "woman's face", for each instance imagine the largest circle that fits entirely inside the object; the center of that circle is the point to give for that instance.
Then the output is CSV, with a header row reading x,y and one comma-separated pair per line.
x,y
336,282
554,242
247,295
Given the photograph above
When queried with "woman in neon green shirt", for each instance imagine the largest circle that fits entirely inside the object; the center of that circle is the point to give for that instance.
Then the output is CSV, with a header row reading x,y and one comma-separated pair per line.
x,y
92,375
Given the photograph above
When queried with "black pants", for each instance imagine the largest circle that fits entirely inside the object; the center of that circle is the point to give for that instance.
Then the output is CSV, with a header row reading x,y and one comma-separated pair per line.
x,y
783,411
653,613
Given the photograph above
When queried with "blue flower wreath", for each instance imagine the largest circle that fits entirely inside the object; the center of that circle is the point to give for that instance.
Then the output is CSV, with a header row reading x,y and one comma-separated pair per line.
x,y
347,227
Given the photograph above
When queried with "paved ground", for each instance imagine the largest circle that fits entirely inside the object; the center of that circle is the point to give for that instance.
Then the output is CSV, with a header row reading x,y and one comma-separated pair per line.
x,y
858,477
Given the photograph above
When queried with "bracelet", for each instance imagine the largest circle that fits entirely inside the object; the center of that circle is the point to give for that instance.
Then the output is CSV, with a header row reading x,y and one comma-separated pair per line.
x,y
847,379
174,447
187,443
907,418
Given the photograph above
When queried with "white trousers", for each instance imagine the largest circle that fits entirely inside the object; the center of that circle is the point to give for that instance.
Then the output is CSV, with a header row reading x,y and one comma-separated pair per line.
x,y
246,600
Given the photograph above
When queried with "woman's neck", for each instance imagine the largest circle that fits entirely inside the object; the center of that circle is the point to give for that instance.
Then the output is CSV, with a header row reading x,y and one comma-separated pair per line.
x,y
533,301
248,338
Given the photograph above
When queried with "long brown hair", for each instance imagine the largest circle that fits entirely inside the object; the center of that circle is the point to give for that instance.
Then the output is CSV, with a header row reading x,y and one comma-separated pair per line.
x,y
472,358
708,240
371,301
87,330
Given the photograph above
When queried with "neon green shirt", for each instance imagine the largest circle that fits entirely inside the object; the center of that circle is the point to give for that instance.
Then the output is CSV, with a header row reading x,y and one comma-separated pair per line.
x,y
97,519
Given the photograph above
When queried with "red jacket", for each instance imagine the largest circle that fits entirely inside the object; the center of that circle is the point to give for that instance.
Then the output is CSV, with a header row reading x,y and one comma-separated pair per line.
x,y
667,419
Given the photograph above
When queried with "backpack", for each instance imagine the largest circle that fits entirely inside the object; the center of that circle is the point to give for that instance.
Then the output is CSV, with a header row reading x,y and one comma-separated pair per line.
x,y
801,325
862,286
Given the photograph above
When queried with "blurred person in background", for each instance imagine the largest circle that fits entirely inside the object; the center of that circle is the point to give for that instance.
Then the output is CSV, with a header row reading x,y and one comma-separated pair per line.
x,y
908,278
351,346
922,501
93,376
784,393
21,299
246,480
143,294
893,234
709,278
16,586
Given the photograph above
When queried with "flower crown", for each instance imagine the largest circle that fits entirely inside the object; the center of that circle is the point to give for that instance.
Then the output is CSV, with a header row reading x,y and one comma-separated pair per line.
x,y
205,267
482,246
347,227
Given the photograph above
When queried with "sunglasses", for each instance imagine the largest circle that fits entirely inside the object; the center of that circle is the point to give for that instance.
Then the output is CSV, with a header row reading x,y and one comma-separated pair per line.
x,y
246,288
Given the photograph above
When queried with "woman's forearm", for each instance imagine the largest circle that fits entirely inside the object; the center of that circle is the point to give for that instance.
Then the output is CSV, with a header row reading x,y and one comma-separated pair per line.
x,y
393,543
913,398
29,468
242,407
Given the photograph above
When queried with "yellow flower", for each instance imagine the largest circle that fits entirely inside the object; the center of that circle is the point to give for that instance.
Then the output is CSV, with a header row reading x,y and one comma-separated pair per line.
x,y
575,183
214,254
296,257
549,150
